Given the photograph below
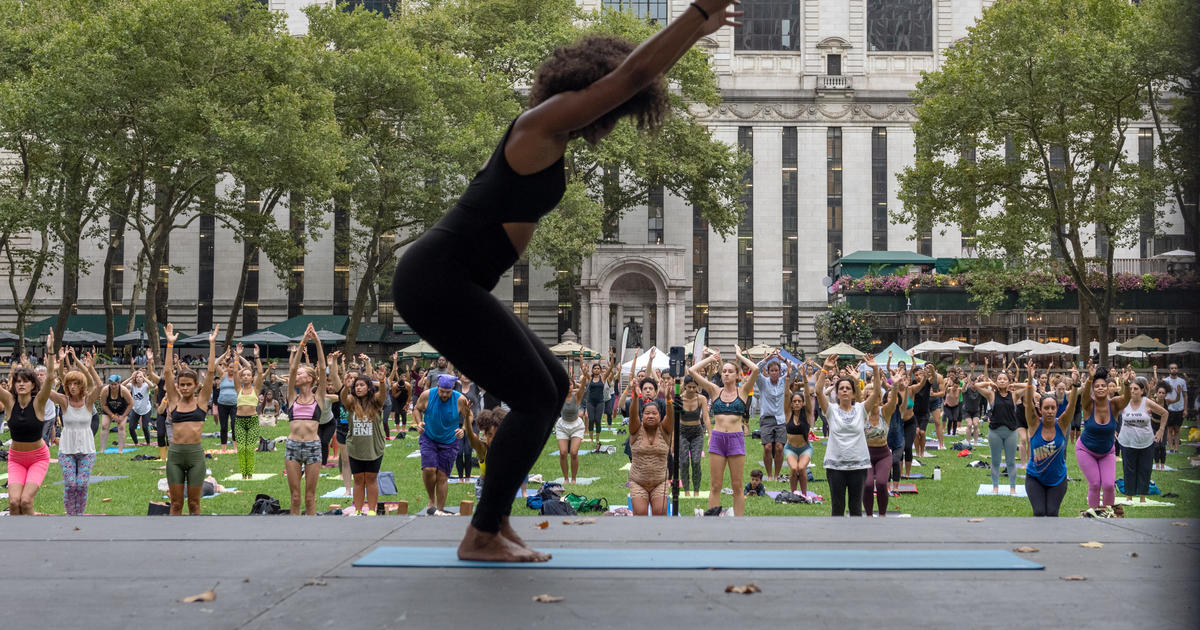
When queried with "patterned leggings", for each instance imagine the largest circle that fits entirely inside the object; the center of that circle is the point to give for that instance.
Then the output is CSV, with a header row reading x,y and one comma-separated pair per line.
x,y
247,442
691,446
76,470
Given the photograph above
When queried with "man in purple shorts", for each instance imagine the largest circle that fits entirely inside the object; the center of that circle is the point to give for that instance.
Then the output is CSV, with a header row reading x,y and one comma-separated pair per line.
x,y
442,420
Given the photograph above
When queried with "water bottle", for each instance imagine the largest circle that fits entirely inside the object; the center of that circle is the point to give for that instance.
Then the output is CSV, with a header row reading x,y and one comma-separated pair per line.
x,y
937,473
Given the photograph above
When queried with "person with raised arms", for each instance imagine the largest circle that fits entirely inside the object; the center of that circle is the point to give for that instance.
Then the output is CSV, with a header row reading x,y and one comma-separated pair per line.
x,y
727,442
847,458
1048,426
28,454
306,406
649,442
185,456
245,421
1002,394
1095,451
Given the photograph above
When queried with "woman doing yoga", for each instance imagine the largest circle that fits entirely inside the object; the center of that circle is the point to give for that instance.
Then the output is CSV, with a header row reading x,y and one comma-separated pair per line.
x,y
796,427
302,454
581,92
569,430
364,440
846,456
77,446
1137,437
693,426
139,391
1046,475
227,398
246,420
877,431
1095,449
1002,428
28,456
185,457
727,443
115,405
649,441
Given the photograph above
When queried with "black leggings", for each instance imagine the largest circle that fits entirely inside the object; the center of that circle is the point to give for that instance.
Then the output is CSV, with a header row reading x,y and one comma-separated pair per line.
x,y
462,462
224,414
910,436
485,340
950,416
401,415
841,483
325,432
144,419
1044,499
160,427
1136,465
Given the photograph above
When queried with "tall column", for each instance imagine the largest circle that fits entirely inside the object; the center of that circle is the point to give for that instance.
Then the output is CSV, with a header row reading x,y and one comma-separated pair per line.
x,y
674,330
585,320
660,324
597,325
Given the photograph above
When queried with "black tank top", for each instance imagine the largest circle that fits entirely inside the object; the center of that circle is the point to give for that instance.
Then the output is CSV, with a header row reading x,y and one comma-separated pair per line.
x,y
692,416
595,392
23,423
921,400
499,195
800,427
195,415
1004,412
116,405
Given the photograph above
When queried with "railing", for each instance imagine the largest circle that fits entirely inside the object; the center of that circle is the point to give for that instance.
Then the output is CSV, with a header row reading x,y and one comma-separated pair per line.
x,y
833,82
1142,265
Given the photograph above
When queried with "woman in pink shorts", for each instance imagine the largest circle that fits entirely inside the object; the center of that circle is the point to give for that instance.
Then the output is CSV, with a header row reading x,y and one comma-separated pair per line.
x,y
28,456
727,443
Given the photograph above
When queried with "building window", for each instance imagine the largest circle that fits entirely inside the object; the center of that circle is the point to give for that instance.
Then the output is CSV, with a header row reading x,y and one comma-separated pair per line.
x,y
653,11
746,246
879,197
833,65
900,25
341,258
116,273
521,289
833,193
654,214
296,226
204,297
769,25
250,300
379,6
791,231
699,269
1146,161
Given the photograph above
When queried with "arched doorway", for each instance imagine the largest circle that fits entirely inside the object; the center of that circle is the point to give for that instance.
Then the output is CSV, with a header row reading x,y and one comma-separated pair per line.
x,y
643,285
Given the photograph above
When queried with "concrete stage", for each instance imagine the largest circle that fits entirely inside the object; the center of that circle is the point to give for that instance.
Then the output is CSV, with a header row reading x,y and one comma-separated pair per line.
x,y
284,572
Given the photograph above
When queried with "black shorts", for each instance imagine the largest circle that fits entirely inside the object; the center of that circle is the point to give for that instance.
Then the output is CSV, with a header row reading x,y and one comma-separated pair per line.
x,y
1174,418
365,465
342,431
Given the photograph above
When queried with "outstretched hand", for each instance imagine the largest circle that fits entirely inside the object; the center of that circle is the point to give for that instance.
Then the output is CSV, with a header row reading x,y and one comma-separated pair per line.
x,y
721,13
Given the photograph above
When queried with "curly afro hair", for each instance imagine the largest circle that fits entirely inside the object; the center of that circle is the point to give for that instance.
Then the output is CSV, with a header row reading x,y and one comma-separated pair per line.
x,y
581,64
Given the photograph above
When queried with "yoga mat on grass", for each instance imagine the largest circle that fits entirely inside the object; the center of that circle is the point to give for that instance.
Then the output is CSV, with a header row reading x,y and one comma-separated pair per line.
x,y
413,455
582,481
255,477
985,489
1148,503
339,493
906,488
581,453
917,476
812,496
468,481
626,467
1196,481
128,449
701,559
98,478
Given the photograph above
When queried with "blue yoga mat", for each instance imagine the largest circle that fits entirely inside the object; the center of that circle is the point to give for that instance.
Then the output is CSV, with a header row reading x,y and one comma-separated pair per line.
x,y
760,559
112,449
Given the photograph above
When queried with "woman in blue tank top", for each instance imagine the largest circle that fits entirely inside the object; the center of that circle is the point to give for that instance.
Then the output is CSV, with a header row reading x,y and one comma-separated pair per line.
x,y
1046,474
1095,450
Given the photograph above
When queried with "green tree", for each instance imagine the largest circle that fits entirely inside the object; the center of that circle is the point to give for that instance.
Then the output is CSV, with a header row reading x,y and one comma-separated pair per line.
x,y
1057,81
416,119
844,324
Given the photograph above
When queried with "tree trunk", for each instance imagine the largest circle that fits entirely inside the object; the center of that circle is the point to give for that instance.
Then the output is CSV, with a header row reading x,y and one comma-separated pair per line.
x,y
154,258
240,297
360,298
70,282
133,294
1084,337
109,324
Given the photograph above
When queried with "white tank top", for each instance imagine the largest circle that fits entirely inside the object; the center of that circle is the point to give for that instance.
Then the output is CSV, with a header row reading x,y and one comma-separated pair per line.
x,y
77,435
1136,431
141,398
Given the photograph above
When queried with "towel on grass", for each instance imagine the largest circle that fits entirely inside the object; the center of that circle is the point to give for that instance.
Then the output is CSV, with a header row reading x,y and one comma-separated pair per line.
x,y
98,478
112,449
255,477
581,453
583,481
812,496
985,489
339,493
472,480
1148,503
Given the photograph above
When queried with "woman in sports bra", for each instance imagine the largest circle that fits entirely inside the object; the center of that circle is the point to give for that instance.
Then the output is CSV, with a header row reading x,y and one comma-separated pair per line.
x,y
693,425
186,400
245,421
1137,437
28,456
798,424
1046,474
77,446
877,431
1095,451
115,405
302,454
727,443
581,92
649,443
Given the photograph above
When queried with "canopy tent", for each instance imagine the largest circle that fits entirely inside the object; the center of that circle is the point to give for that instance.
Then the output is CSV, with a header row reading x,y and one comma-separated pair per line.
x,y
421,349
75,337
935,346
137,336
200,339
1182,347
758,352
265,338
661,362
95,324
293,328
326,336
1114,350
843,350
991,346
898,355
1142,343
10,339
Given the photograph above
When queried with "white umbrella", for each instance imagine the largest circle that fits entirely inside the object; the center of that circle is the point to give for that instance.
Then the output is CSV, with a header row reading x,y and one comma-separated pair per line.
x,y
1051,348
934,346
1023,346
1177,253
82,337
1182,347
991,346
265,337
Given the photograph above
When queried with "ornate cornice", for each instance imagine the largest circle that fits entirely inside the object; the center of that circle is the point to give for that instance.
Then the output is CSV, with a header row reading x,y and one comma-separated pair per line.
x,y
740,112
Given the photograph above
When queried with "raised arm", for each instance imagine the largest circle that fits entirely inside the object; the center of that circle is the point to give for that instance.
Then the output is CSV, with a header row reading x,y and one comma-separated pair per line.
x,y
168,375
635,414
696,372
872,401
293,367
206,391
258,370
1031,419
1064,419
830,365
748,385
580,388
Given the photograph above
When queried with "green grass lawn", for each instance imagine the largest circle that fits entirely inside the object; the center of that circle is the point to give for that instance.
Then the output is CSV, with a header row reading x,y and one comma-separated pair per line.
x,y
954,495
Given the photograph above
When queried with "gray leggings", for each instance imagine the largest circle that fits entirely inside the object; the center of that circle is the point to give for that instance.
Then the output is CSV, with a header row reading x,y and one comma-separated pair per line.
x,y
691,446
1006,439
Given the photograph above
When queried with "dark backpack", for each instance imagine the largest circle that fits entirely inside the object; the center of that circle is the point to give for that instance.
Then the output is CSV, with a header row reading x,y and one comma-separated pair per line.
x,y
265,445
599,504
265,504
788,497
557,508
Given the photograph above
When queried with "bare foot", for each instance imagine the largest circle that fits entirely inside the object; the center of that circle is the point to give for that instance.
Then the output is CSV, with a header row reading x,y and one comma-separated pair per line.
x,y
485,547
1012,490
509,533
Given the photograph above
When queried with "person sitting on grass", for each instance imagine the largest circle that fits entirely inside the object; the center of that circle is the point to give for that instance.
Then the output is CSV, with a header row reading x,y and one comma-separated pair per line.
x,y
755,487
649,442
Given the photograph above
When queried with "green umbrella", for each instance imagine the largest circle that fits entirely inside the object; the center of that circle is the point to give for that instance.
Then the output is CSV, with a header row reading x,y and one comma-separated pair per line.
x,y
1141,343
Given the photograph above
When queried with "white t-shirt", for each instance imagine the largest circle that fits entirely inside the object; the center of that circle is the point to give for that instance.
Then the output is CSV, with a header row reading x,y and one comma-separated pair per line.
x,y
1178,388
847,445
